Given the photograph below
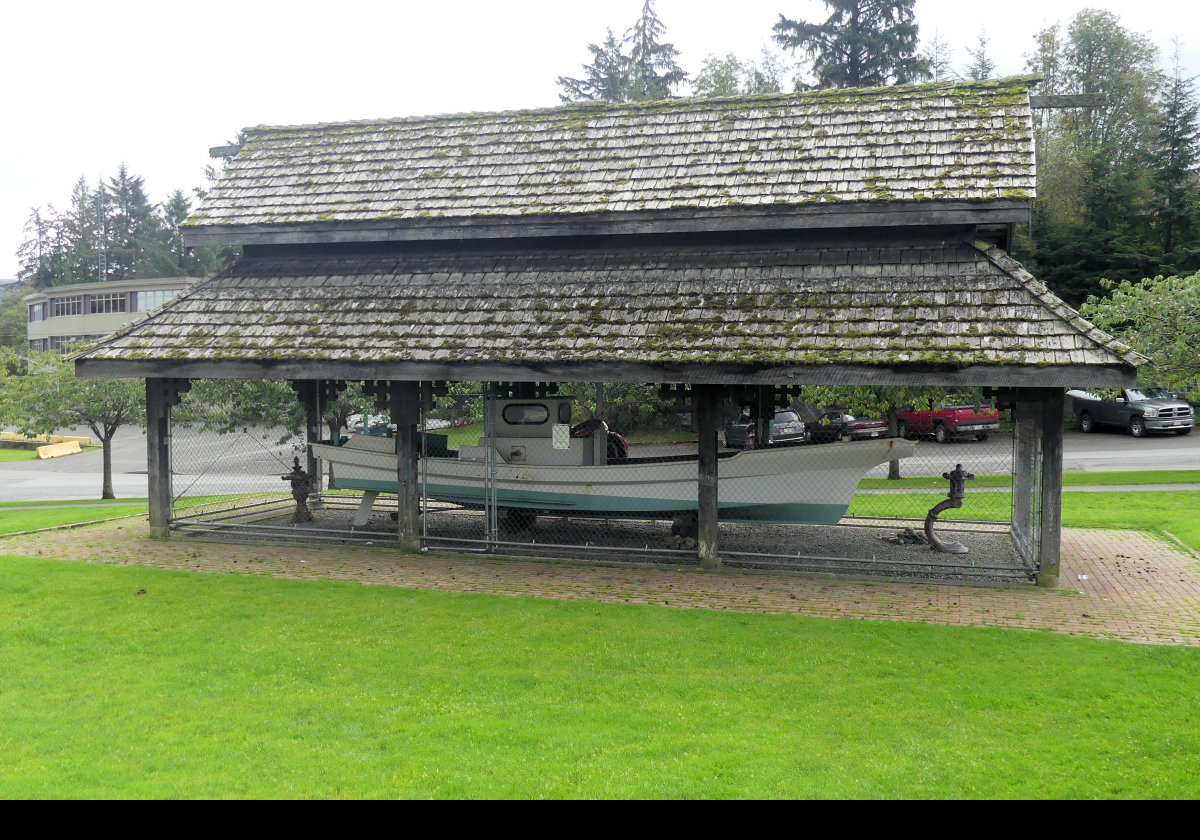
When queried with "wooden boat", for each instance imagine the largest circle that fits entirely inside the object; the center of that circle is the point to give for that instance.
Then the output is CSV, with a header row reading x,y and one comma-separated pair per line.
x,y
538,468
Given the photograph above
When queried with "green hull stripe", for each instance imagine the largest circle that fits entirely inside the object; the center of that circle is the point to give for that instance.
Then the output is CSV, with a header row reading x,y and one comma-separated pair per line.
x,y
566,503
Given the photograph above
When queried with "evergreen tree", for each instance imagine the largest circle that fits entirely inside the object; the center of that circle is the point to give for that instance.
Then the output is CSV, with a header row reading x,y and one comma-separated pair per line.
x,y
607,77
80,235
981,66
638,68
1176,193
41,253
863,43
132,228
654,72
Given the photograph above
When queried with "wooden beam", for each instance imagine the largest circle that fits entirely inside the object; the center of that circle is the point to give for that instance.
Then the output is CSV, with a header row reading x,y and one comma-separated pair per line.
x,y
1008,376
224,151
708,419
1067,100
766,218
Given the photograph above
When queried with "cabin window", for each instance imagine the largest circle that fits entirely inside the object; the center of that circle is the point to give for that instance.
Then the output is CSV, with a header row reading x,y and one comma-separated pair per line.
x,y
525,414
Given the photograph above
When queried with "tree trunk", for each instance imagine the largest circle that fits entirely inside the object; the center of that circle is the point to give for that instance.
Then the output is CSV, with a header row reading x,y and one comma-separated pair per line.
x,y
893,421
106,450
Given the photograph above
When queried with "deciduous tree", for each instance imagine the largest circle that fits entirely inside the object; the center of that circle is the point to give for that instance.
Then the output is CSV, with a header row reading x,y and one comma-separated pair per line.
x,y
49,397
1159,318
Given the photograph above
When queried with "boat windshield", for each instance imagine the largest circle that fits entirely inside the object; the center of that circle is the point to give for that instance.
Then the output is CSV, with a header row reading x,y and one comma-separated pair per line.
x,y
525,414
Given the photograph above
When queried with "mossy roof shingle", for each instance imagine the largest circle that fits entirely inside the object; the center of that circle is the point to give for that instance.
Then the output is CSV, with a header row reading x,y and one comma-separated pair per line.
x,y
860,305
944,142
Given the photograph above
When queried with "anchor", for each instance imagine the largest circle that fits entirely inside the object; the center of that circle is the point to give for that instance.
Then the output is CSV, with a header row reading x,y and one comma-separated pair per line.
x,y
958,491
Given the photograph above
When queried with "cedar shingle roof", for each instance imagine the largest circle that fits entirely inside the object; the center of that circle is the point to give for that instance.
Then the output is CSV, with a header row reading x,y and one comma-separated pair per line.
x,y
927,143
867,306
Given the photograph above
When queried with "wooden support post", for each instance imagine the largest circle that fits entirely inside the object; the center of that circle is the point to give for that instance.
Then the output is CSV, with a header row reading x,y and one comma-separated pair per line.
x,y
1052,474
764,412
405,412
708,414
1037,480
309,393
161,396
1026,479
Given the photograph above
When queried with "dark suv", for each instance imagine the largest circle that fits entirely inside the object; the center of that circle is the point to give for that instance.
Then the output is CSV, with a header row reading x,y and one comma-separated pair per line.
x,y
786,427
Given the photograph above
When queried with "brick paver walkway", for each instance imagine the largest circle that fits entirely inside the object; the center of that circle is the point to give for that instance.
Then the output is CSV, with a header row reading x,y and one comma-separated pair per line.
x,y
1114,585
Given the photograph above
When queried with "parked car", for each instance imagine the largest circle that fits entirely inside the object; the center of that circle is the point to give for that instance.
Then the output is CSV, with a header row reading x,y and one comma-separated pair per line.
x,y
785,427
1140,412
948,422
837,425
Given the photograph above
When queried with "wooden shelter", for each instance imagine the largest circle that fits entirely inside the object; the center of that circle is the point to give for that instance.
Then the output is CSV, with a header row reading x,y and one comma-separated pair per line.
x,y
844,237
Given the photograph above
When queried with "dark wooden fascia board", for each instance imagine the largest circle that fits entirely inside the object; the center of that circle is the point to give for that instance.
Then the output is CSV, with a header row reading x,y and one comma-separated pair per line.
x,y
1008,376
825,216
1066,100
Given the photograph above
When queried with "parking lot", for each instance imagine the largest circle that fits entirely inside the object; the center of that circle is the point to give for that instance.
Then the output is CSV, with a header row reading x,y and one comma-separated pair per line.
x,y
78,476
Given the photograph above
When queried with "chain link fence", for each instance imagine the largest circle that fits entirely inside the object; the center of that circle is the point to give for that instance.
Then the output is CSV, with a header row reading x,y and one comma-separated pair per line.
x,y
579,470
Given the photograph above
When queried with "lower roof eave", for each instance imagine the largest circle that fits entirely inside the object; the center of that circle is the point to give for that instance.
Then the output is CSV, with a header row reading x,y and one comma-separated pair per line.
x,y
1009,376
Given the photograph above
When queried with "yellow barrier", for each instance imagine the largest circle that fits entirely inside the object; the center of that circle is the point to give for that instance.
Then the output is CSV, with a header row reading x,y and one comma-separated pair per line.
x,y
80,439
57,450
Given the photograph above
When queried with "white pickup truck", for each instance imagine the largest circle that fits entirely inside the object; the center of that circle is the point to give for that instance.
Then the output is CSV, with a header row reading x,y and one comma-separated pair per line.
x,y
1151,410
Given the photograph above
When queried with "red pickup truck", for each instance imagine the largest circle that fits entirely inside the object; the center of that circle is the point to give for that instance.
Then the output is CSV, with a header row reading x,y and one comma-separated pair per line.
x,y
949,422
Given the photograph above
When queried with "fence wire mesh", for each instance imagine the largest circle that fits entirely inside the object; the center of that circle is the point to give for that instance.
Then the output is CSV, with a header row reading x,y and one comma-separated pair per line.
x,y
590,471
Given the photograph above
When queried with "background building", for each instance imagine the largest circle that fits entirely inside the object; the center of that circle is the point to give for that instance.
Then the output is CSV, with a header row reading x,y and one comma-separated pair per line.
x,y
64,315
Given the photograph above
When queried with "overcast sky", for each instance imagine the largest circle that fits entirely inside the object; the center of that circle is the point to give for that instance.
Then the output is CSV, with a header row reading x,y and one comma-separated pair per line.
x,y
87,85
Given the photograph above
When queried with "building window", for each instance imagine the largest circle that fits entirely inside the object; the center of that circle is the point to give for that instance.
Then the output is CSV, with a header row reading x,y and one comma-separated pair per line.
x,y
104,304
145,301
60,307
38,345
37,311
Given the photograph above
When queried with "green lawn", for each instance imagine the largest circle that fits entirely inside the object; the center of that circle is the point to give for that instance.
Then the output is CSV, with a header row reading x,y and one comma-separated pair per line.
x,y
1071,479
12,521
9,455
1176,511
229,686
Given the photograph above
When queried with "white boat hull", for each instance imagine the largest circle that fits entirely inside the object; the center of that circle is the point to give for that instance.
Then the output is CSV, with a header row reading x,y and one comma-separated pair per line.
x,y
810,484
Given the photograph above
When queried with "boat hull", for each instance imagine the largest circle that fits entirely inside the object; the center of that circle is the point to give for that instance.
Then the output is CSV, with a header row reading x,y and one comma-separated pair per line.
x,y
795,484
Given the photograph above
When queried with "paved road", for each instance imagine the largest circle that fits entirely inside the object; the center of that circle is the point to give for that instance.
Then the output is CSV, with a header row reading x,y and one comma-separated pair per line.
x,y
227,459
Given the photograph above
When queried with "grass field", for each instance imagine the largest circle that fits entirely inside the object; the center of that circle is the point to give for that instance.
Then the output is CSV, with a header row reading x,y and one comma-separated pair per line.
x,y
12,521
129,682
11,455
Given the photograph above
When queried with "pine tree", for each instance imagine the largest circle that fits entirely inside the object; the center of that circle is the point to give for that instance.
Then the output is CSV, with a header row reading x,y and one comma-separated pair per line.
x,y
638,68
80,236
654,72
1174,173
41,254
607,77
132,228
863,43
981,66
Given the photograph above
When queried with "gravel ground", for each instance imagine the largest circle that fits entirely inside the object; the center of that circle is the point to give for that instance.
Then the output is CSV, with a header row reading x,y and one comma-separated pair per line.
x,y
860,549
